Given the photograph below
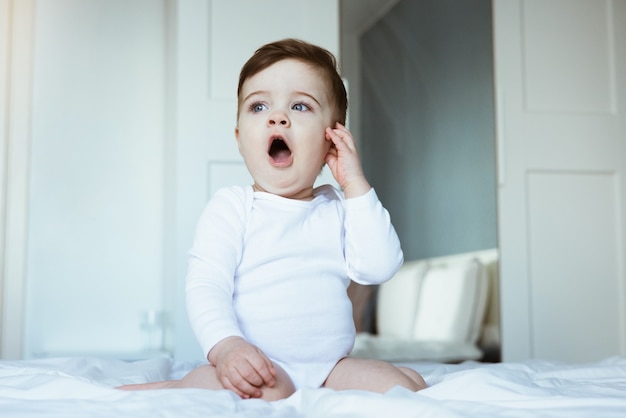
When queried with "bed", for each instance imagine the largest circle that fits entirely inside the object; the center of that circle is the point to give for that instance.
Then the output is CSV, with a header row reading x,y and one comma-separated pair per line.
x,y
72,387
459,291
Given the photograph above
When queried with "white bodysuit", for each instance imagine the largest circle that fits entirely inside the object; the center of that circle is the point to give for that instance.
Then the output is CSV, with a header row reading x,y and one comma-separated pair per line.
x,y
275,271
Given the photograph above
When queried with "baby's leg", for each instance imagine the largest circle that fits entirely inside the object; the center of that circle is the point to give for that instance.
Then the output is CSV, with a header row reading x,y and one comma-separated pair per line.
x,y
205,377
415,376
372,375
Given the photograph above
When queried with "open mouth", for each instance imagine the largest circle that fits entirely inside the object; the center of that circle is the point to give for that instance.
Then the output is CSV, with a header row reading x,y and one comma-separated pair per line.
x,y
279,152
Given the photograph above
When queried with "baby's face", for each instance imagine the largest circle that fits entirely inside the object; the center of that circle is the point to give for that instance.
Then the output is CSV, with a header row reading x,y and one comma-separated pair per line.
x,y
280,131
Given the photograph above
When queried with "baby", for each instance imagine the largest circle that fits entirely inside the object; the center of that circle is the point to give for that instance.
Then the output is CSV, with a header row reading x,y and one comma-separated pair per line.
x,y
271,263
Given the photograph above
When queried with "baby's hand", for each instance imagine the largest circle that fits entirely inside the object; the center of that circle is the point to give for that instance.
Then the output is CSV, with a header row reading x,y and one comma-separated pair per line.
x,y
242,367
343,161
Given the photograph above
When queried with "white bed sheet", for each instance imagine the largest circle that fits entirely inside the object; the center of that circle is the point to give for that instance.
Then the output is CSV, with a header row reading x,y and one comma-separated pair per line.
x,y
83,387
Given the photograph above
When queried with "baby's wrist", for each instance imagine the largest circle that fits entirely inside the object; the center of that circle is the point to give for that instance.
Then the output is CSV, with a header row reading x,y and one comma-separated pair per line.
x,y
356,187
224,346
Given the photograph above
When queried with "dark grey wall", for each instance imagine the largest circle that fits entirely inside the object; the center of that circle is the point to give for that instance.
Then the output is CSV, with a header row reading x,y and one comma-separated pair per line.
x,y
427,124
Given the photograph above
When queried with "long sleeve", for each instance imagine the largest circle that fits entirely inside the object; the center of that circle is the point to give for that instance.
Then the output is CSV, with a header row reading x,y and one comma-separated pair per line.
x,y
213,259
372,247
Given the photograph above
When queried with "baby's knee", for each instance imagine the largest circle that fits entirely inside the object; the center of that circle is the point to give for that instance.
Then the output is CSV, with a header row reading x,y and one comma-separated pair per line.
x,y
416,381
278,391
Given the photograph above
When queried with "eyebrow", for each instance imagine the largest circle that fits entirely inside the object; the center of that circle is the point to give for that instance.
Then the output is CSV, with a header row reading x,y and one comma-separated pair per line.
x,y
266,92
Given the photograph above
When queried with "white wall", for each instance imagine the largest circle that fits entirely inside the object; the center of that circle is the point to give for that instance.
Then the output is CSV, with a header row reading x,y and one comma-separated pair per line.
x,y
95,238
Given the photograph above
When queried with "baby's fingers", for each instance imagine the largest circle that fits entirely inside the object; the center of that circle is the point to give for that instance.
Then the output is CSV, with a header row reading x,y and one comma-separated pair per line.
x,y
263,369
342,140
341,128
344,134
241,387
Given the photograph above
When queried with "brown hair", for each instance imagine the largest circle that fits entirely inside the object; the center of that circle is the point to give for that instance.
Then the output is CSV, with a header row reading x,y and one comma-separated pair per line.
x,y
316,56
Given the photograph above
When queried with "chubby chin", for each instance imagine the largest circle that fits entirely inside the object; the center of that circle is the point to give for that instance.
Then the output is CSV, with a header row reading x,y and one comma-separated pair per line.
x,y
289,186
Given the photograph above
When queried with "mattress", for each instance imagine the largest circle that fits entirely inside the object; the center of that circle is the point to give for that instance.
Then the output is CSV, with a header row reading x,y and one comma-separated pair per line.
x,y
85,387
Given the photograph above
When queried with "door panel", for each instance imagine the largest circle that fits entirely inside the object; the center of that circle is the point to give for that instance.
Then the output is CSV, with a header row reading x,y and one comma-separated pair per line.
x,y
575,298
568,62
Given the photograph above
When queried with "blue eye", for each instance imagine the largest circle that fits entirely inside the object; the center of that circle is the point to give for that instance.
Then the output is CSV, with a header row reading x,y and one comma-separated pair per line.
x,y
257,107
301,107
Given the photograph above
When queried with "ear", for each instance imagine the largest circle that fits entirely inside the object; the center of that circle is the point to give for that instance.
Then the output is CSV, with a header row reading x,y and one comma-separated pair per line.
x,y
237,138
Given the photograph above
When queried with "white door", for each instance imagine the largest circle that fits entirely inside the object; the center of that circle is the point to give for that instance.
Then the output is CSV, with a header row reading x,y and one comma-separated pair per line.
x,y
561,105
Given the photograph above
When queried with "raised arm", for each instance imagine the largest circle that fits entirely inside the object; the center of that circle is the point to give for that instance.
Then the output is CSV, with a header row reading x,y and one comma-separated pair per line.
x,y
373,249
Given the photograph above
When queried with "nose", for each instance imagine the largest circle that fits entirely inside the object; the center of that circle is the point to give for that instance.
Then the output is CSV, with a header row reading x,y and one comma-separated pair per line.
x,y
278,118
